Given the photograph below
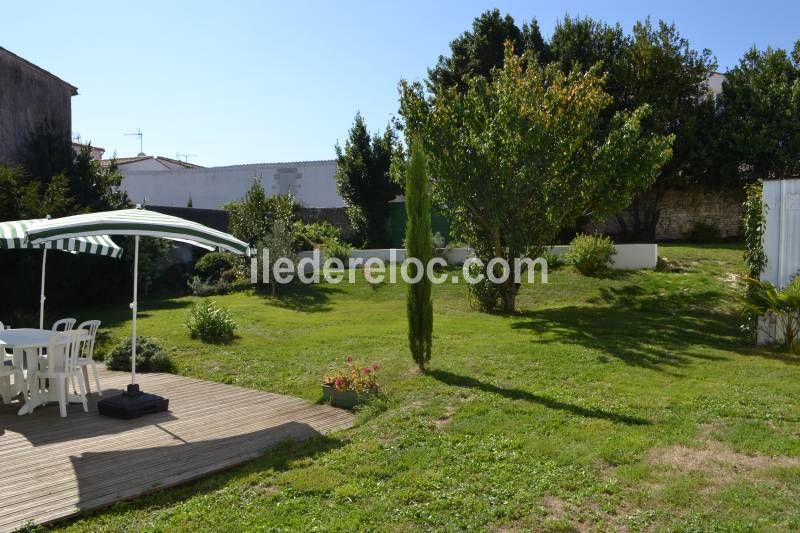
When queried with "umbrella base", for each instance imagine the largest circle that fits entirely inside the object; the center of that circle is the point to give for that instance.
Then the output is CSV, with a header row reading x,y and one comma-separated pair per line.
x,y
132,403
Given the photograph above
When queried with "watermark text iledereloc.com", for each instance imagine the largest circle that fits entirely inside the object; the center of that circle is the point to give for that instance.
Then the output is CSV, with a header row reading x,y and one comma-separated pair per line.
x,y
313,269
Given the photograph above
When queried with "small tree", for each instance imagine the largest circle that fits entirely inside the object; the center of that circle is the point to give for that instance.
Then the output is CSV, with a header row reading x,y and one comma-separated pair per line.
x,y
248,217
363,180
280,243
419,245
515,160
253,215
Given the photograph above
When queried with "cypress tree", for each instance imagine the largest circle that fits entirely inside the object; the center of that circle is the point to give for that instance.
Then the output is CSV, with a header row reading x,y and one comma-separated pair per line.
x,y
419,244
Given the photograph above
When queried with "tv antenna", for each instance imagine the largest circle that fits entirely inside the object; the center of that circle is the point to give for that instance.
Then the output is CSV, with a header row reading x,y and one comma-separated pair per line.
x,y
185,156
140,135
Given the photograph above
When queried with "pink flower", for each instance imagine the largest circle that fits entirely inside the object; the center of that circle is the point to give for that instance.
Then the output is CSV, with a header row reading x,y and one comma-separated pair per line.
x,y
376,366
366,370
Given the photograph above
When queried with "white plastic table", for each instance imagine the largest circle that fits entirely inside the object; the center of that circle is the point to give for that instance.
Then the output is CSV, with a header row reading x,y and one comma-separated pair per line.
x,y
28,343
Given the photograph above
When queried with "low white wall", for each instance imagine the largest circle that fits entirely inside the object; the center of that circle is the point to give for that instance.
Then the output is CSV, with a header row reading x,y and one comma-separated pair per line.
x,y
628,256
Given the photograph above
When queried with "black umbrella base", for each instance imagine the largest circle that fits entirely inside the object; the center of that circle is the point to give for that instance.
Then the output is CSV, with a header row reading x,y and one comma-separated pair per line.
x,y
132,403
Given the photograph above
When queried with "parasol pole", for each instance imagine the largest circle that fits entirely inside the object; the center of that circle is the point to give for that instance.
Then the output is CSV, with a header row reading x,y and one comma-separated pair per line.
x,y
41,296
134,307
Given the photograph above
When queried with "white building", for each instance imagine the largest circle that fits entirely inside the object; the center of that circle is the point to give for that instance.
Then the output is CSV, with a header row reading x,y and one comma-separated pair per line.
x,y
149,181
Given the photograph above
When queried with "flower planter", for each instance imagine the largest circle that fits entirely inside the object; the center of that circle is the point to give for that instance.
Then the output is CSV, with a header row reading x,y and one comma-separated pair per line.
x,y
346,399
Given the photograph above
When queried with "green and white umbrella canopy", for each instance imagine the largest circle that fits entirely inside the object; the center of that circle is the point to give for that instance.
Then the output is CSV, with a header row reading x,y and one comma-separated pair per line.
x,y
135,222
13,235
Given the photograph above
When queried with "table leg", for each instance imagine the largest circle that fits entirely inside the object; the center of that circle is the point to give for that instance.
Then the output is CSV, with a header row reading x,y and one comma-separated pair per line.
x,y
32,357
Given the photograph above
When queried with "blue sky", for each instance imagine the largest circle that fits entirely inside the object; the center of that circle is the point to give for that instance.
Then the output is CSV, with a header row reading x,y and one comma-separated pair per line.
x,y
243,82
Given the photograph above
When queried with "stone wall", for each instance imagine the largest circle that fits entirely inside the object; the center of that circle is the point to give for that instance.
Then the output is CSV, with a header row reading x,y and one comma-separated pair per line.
x,y
30,98
681,209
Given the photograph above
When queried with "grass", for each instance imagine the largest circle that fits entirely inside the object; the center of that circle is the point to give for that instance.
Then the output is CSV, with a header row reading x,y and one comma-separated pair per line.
x,y
629,401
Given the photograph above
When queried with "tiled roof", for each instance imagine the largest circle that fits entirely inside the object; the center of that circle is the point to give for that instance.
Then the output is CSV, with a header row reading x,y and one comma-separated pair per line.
x,y
126,160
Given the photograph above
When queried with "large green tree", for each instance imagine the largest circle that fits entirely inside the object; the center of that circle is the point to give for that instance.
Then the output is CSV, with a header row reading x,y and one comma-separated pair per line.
x,y
652,65
516,159
363,179
419,245
477,52
658,67
760,116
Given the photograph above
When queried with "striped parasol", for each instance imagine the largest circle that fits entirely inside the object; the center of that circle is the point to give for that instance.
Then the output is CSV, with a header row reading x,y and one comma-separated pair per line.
x,y
135,222
13,236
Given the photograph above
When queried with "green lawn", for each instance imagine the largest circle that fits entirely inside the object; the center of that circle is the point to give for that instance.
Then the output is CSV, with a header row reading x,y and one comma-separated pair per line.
x,y
622,402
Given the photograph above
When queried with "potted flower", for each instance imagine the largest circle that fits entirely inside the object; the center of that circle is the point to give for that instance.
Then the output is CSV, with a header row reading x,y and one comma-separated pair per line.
x,y
351,385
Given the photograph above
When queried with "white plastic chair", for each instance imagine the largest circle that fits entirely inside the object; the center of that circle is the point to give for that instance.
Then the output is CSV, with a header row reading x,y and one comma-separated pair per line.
x,y
86,359
65,324
62,350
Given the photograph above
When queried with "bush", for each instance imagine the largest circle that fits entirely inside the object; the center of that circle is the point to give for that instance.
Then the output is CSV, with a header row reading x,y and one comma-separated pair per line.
x,y
553,261
338,250
198,287
310,236
211,266
754,221
591,254
704,232
484,295
150,356
210,323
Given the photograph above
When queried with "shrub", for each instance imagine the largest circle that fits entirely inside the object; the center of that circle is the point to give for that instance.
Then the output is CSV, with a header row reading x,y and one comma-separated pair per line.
x,y
591,254
704,232
198,287
210,323
310,236
754,221
484,295
553,261
338,250
150,356
211,266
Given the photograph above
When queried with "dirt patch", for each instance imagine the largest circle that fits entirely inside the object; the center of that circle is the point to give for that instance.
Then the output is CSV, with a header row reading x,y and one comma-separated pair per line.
x,y
717,460
446,417
556,507
665,264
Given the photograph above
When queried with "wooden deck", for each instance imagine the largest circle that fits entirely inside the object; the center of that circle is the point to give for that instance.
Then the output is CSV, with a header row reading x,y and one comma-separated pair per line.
x,y
52,467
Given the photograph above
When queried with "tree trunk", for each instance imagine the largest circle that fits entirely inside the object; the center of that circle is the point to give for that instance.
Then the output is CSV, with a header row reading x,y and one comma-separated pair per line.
x,y
510,291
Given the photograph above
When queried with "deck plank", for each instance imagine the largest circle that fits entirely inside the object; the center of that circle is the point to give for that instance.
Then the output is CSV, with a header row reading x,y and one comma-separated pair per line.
x,y
53,468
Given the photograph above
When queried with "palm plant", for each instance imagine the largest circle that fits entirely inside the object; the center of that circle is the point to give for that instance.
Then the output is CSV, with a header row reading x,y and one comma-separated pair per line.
x,y
784,304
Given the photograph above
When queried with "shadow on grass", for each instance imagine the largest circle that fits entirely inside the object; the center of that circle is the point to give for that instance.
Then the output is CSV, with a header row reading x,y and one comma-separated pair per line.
x,y
643,327
456,380
117,314
775,353
312,298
